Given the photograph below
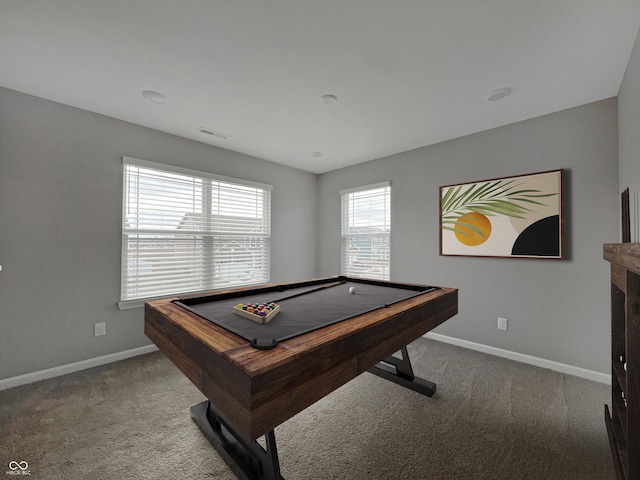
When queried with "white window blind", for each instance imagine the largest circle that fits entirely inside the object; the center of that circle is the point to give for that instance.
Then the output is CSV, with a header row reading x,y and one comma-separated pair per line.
x,y
366,231
187,231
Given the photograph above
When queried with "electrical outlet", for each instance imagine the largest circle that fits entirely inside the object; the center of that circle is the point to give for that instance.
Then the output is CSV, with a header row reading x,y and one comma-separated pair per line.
x,y
502,323
99,329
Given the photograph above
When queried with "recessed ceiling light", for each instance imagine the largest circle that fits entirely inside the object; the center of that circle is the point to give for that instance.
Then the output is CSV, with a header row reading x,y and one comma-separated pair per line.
x,y
329,99
317,154
155,97
499,94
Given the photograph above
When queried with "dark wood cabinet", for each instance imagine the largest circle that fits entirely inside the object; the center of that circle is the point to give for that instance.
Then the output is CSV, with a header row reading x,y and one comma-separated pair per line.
x,y
623,416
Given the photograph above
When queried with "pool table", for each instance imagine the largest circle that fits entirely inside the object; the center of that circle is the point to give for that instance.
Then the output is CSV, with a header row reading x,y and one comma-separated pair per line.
x,y
256,376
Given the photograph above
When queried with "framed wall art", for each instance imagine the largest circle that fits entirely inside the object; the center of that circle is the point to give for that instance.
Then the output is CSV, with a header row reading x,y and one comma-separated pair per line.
x,y
515,217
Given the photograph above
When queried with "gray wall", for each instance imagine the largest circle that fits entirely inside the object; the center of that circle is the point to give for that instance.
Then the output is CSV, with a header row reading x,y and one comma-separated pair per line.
x,y
629,125
60,214
60,223
557,310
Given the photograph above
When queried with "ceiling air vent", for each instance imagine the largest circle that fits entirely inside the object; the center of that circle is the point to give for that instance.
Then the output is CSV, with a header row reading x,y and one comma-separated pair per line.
x,y
213,133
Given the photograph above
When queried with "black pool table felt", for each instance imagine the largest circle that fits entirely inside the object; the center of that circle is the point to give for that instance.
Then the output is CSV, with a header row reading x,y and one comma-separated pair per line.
x,y
302,313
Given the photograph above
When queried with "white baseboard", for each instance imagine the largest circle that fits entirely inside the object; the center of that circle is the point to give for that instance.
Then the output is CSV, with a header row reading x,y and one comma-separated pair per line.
x,y
73,367
520,357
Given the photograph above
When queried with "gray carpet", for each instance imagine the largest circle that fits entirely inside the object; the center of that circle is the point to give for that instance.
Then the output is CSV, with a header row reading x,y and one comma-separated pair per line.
x,y
490,419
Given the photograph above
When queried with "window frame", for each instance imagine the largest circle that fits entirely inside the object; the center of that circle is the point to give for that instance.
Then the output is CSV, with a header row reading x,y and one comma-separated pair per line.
x,y
206,178
345,236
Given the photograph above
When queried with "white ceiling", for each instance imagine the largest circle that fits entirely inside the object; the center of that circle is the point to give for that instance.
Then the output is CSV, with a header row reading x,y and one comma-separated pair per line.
x,y
407,73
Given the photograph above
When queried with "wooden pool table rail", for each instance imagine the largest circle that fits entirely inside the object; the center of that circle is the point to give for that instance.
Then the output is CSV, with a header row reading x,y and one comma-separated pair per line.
x,y
256,390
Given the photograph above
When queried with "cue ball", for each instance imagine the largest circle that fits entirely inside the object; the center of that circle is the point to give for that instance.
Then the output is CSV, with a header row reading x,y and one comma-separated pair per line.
x,y
352,290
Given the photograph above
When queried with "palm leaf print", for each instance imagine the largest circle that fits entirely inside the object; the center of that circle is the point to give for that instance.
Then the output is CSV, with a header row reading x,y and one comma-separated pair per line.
x,y
500,197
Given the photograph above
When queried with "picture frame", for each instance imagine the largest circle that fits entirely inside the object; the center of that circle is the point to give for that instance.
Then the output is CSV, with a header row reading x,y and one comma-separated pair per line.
x,y
510,217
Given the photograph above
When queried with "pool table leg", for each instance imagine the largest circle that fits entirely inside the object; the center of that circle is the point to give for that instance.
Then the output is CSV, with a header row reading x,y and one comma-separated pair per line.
x,y
249,461
399,370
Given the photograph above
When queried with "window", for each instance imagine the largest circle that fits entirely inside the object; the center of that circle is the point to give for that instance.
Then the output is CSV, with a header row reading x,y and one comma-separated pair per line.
x,y
366,231
187,231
